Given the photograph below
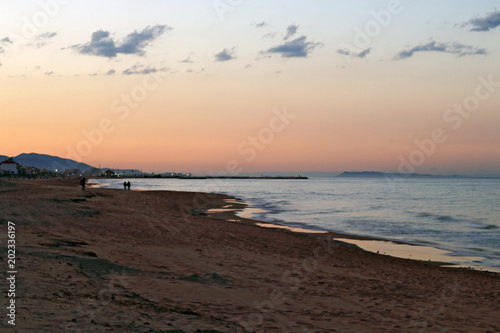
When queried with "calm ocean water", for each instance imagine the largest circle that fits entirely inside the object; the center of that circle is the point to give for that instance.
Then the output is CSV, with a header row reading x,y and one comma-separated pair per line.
x,y
458,215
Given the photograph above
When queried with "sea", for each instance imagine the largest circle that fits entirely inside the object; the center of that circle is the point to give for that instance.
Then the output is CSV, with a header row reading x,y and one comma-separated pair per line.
x,y
460,216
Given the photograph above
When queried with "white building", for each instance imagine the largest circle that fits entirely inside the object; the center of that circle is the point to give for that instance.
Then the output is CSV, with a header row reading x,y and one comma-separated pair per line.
x,y
8,166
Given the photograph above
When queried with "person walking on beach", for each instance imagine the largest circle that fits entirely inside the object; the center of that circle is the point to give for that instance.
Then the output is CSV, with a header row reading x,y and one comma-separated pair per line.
x,y
124,185
82,182
128,185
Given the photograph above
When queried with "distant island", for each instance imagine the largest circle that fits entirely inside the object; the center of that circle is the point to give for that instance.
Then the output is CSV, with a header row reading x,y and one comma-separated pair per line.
x,y
376,174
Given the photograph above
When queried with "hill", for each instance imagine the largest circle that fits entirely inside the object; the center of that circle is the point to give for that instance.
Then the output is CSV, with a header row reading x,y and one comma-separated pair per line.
x,y
50,162
3,158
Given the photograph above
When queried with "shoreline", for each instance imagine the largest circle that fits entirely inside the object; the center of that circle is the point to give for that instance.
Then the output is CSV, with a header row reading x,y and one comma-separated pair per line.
x,y
238,210
140,261
372,244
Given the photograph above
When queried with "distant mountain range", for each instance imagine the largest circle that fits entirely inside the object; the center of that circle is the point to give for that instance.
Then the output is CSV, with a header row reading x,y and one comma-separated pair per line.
x,y
48,162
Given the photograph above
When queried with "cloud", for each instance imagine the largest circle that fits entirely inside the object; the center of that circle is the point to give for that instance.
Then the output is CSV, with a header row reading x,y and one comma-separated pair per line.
x,y
102,45
225,55
48,73
186,61
46,35
297,48
361,54
261,24
344,52
490,21
110,72
6,40
269,35
291,31
41,40
453,48
141,69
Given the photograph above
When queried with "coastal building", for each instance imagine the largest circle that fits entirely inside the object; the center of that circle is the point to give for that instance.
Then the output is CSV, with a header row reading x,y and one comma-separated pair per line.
x,y
8,166
29,171
72,172
109,173
94,172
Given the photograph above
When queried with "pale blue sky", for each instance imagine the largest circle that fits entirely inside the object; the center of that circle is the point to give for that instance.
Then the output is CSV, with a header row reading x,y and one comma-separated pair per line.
x,y
201,29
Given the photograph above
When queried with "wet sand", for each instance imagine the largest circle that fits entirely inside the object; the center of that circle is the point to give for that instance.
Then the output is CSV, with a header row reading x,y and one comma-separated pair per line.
x,y
148,261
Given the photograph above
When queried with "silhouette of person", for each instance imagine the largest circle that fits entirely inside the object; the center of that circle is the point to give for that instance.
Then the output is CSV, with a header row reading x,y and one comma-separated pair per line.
x,y
82,182
128,185
124,185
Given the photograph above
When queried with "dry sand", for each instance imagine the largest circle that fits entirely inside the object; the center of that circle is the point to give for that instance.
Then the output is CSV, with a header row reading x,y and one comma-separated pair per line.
x,y
137,261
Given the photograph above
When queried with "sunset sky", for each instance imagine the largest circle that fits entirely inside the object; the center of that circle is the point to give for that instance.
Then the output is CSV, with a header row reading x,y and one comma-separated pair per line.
x,y
254,86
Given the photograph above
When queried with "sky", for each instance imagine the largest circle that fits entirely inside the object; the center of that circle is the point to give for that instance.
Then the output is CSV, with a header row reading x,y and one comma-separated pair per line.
x,y
235,86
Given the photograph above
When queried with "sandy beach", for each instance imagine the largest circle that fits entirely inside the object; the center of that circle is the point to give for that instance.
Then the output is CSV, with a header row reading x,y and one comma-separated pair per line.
x,y
104,260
